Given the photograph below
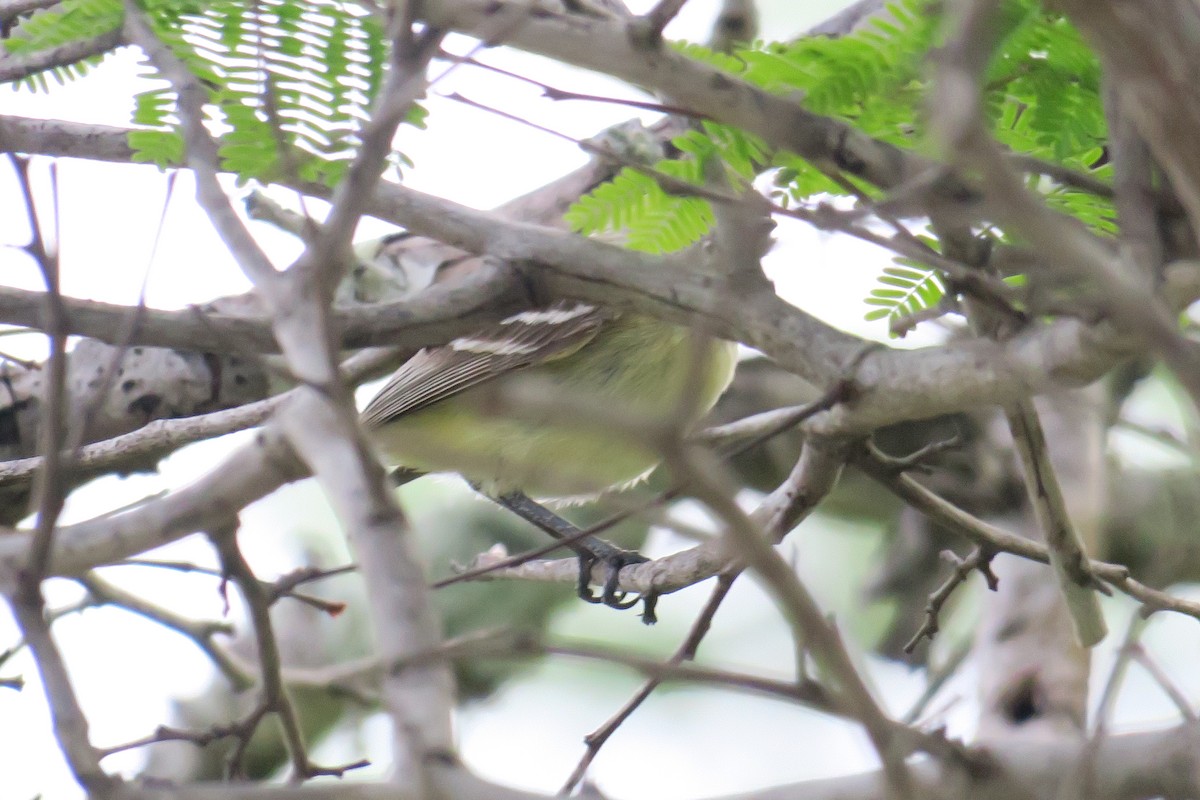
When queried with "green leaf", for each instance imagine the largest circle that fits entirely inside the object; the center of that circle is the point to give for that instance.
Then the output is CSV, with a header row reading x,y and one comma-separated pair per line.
x,y
905,288
163,148
651,220
291,80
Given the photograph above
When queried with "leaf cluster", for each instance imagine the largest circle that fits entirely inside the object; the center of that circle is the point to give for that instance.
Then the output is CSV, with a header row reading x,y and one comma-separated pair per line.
x,y
636,205
288,82
1042,97
69,21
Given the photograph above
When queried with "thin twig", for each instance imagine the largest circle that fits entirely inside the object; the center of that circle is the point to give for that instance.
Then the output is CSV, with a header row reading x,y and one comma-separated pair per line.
x,y
275,696
700,472
919,458
507,644
976,530
1064,176
1085,769
100,387
201,633
1116,677
406,81
50,483
242,731
1068,556
936,678
52,616
686,652
202,152
985,288
1170,689
70,723
669,183
14,68
979,559
555,93
284,586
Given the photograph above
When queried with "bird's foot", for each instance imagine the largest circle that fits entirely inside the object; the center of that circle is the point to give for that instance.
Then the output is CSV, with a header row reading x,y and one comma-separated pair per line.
x,y
614,560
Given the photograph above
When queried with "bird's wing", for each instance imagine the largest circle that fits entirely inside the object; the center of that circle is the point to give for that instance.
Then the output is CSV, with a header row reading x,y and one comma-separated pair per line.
x,y
522,340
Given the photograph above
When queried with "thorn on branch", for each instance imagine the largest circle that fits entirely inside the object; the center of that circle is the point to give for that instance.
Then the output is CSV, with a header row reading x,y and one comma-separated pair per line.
x,y
979,560
285,586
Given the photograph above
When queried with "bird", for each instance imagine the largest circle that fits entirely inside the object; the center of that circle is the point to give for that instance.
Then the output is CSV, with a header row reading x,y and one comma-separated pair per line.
x,y
438,412
453,408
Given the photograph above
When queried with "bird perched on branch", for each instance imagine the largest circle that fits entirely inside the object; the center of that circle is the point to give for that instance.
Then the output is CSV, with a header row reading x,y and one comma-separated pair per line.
x,y
449,408
456,408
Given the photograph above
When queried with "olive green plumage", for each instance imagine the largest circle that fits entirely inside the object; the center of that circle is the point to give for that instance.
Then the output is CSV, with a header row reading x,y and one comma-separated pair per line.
x,y
439,412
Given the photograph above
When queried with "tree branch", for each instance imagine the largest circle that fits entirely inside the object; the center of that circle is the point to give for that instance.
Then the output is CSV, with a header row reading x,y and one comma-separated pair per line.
x,y
249,473
1134,766
70,723
989,536
893,385
1068,247
606,46
1065,547
14,68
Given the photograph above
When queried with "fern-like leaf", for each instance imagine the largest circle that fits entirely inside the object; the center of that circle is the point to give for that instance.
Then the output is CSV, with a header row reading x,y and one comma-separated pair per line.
x,y
69,21
289,81
904,288
635,206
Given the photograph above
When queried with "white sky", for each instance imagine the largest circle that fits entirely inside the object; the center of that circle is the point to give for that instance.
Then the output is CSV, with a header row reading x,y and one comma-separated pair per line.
x,y
126,670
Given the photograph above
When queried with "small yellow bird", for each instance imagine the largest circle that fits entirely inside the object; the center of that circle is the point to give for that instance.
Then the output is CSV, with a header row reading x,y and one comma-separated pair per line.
x,y
437,412
434,416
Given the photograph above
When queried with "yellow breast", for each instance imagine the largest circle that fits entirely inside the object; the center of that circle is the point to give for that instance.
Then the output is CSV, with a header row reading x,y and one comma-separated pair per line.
x,y
639,367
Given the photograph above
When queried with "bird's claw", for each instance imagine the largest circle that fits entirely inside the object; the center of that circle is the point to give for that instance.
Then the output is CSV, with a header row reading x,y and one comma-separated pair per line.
x,y
611,595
